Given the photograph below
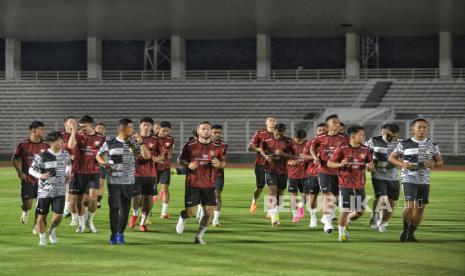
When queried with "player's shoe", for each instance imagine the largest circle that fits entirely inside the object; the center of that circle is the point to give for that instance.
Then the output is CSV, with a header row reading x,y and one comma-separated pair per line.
x,y
99,205
164,216
120,239
253,207
301,212
35,231
275,220
132,221
80,229
411,237
90,225
344,236
374,222
216,224
268,215
180,225
24,217
199,240
148,221
382,227
143,228
43,242
313,222
404,235
112,239
52,236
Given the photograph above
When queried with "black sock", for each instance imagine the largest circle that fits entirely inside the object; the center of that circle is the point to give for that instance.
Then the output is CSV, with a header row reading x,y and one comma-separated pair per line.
x,y
412,229
183,214
406,225
99,198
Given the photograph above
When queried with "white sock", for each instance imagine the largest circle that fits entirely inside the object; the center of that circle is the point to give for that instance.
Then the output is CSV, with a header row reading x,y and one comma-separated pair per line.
x,y
253,200
135,212
313,212
273,211
42,236
82,220
66,207
26,213
90,217
301,205
216,216
143,219
74,216
342,229
202,230
164,209
294,213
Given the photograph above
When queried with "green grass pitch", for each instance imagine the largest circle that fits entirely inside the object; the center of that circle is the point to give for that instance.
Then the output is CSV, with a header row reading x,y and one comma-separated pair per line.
x,y
245,244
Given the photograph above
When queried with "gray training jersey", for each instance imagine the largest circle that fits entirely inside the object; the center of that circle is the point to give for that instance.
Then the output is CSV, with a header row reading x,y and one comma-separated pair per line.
x,y
58,166
417,153
121,160
381,150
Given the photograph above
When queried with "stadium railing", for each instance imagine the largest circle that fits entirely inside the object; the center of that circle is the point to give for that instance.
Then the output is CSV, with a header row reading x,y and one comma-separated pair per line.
x,y
240,75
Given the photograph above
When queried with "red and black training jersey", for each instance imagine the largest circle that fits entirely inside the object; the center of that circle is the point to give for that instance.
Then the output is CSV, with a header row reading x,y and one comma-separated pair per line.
x,y
278,164
87,147
326,145
224,148
352,176
204,176
312,168
146,167
297,171
257,141
165,147
25,151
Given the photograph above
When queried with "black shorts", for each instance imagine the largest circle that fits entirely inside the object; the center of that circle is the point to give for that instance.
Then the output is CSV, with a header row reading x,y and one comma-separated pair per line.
x,y
145,185
260,176
28,190
103,173
416,192
57,203
194,196
219,183
311,185
278,180
388,188
329,183
164,177
295,185
83,182
353,199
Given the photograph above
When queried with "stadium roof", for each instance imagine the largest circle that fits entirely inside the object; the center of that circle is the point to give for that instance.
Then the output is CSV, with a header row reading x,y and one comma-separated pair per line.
x,y
158,19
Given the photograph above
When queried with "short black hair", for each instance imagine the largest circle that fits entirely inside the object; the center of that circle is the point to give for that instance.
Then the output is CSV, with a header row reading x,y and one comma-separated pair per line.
x,y
280,127
216,126
342,124
67,118
36,124
165,124
419,120
86,119
146,120
332,116
205,123
384,126
124,122
321,125
100,124
53,136
354,129
392,128
300,134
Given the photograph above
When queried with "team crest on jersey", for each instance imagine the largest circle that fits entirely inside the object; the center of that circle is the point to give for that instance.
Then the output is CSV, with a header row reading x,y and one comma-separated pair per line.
x,y
167,144
212,152
363,155
151,145
97,143
42,150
